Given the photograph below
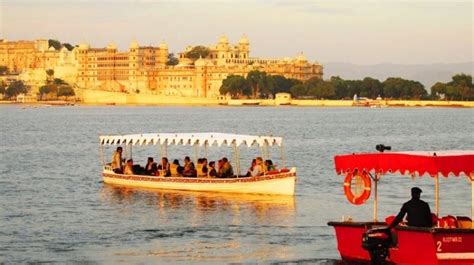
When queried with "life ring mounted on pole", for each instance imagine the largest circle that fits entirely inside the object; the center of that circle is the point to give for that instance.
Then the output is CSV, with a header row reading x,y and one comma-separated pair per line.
x,y
357,187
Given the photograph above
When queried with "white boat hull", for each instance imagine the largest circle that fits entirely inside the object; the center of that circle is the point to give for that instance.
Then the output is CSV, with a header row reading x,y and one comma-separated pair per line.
x,y
277,184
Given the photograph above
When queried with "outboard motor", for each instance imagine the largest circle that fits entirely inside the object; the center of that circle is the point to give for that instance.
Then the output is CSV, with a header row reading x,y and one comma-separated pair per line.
x,y
377,241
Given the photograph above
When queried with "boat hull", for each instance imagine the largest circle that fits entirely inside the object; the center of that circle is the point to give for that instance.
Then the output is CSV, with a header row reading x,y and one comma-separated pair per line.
x,y
414,245
277,184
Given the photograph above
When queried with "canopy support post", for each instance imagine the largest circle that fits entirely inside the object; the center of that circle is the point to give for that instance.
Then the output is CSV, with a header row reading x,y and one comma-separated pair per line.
x,y
237,159
376,179
130,147
196,153
206,149
437,194
282,156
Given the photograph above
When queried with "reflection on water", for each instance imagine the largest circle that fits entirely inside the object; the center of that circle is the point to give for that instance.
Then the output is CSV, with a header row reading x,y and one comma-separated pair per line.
x,y
207,236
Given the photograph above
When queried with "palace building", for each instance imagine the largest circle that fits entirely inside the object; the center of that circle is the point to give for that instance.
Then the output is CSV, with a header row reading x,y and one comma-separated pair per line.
x,y
143,69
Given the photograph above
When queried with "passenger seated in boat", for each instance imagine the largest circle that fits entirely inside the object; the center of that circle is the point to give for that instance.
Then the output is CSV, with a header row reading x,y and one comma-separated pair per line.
x,y
189,169
269,165
116,165
148,167
258,169
201,168
128,168
252,165
227,170
417,211
212,173
176,170
164,169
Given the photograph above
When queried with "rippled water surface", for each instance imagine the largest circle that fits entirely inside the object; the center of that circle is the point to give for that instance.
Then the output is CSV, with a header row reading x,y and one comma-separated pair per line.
x,y
55,208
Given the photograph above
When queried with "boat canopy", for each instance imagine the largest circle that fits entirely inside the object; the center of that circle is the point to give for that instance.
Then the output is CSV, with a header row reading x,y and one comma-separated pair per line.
x,y
421,162
200,139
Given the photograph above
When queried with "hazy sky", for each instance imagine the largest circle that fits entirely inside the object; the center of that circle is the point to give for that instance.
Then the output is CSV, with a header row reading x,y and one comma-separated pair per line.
x,y
361,32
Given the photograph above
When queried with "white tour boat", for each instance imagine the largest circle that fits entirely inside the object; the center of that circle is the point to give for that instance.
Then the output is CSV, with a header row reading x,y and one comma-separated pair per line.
x,y
276,182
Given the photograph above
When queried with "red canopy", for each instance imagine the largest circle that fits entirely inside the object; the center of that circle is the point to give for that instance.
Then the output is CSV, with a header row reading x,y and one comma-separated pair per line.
x,y
431,162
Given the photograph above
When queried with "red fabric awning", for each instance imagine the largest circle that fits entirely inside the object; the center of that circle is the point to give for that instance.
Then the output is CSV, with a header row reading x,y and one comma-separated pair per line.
x,y
424,162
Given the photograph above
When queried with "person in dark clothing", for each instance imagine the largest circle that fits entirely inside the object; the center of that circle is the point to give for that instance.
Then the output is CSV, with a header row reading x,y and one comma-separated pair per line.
x,y
418,212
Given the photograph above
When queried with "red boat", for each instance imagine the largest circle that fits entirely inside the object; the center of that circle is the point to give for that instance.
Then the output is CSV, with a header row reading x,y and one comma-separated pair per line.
x,y
449,241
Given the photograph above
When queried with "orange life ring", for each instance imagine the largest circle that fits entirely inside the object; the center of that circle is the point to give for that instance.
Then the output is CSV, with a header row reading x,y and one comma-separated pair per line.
x,y
364,195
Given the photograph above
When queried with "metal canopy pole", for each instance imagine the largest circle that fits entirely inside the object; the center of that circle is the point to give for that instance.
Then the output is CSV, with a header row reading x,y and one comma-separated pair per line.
x,y
237,159
206,145
437,194
376,180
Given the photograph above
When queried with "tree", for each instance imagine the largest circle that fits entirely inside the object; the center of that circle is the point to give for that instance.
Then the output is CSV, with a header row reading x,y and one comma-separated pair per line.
x,y
371,88
54,43
235,85
3,87
400,88
172,60
299,90
257,81
65,91
44,90
68,46
340,86
282,84
3,70
460,88
322,89
198,52
15,88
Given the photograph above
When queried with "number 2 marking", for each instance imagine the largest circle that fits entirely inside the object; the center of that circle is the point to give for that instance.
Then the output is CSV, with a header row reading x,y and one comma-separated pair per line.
x,y
439,244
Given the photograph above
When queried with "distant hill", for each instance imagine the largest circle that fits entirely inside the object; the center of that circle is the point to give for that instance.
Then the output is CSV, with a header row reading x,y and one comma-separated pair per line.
x,y
427,74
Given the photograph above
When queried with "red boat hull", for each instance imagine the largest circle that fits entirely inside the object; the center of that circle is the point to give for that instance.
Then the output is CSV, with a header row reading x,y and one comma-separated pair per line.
x,y
414,245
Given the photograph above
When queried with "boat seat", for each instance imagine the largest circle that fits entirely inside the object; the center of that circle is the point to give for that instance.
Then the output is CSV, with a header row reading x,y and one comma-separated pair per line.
x,y
389,219
448,221
284,170
464,222
272,172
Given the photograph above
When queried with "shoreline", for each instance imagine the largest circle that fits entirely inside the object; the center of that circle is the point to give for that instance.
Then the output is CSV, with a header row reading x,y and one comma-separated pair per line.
x,y
263,103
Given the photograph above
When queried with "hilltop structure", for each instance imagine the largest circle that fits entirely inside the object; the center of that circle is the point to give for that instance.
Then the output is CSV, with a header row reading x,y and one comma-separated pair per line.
x,y
143,69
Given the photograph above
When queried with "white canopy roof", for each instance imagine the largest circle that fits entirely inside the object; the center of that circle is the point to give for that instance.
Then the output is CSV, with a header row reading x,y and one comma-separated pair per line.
x,y
189,139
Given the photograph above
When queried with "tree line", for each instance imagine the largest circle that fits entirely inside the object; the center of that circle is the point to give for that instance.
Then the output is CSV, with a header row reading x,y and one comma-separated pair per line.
x,y
261,85
53,89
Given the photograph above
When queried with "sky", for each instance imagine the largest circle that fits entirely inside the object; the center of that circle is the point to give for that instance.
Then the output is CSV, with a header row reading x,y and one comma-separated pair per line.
x,y
360,32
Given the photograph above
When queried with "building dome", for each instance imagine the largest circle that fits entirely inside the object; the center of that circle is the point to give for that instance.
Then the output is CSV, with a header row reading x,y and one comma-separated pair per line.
x,y
223,40
200,62
111,46
134,45
301,58
84,46
163,46
244,40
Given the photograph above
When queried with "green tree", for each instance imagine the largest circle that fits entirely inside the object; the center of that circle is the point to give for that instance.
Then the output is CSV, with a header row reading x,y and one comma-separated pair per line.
x,y
68,46
459,88
322,89
399,88
282,84
172,60
65,91
261,84
54,43
340,86
235,85
15,88
299,90
371,88
58,81
44,91
198,52
3,87
3,70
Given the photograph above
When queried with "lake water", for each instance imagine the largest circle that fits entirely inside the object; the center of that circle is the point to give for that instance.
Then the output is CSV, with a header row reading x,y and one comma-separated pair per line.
x,y
55,208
